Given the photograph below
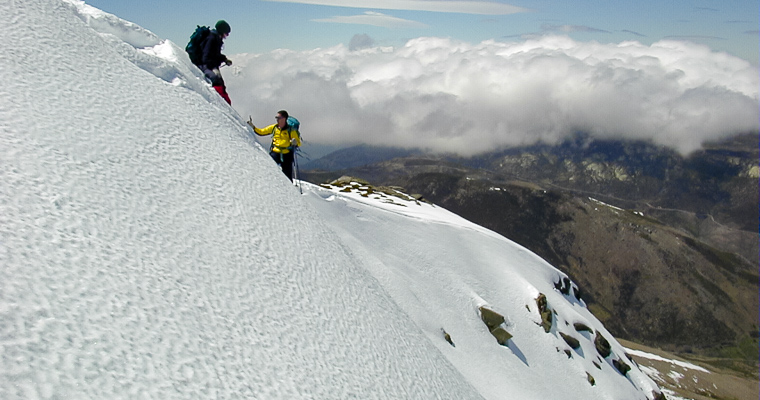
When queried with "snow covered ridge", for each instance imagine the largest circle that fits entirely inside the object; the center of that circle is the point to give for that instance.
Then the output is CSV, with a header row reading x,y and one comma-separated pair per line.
x,y
151,249
162,58
530,308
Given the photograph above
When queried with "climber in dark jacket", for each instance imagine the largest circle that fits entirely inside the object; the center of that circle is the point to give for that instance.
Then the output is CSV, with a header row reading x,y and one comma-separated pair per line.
x,y
212,57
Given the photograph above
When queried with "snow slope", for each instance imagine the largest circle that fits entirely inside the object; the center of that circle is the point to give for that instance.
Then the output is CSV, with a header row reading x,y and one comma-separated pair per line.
x,y
151,249
441,268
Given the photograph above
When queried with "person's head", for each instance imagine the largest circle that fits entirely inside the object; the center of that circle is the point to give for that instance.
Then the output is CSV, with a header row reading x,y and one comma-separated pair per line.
x,y
223,28
282,118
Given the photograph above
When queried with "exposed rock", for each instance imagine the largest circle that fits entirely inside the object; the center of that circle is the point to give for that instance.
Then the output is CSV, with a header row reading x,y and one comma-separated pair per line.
x,y
546,313
546,321
350,184
602,345
495,321
501,335
346,180
491,318
581,327
571,341
752,172
448,337
658,396
564,284
578,293
591,379
558,285
621,366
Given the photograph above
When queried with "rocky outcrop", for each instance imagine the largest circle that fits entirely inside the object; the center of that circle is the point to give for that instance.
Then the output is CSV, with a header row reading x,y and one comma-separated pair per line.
x,y
495,323
571,341
602,345
546,313
621,366
447,337
564,286
390,194
581,327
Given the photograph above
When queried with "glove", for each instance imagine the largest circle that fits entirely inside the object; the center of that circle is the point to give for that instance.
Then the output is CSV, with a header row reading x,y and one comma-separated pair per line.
x,y
228,62
293,143
250,122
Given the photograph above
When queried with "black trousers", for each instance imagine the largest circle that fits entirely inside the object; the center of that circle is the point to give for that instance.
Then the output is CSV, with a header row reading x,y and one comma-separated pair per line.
x,y
285,161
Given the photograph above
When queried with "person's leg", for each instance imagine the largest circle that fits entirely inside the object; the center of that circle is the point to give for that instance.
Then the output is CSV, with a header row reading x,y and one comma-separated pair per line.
x,y
287,165
215,77
276,157
223,92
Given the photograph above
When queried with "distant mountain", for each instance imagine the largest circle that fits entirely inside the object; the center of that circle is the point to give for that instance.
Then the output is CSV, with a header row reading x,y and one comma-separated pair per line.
x,y
356,156
674,266
720,180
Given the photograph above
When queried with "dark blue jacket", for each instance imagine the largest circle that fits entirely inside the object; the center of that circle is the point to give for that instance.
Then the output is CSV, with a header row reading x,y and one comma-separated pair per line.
x,y
212,56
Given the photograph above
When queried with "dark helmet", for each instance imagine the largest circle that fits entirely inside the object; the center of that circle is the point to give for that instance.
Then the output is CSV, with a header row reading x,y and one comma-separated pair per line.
x,y
222,27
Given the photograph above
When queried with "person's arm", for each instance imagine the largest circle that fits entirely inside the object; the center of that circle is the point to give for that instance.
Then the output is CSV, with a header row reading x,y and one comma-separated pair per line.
x,y
261,131
295,140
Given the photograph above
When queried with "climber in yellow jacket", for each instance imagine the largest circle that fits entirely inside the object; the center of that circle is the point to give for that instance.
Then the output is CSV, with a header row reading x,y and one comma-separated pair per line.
x,y
285,140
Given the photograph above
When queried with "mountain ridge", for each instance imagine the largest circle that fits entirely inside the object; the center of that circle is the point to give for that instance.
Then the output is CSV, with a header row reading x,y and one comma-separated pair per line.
x,y
563,226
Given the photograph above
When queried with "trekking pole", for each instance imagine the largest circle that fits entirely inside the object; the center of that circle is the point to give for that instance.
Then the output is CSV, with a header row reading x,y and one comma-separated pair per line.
x,y
298,177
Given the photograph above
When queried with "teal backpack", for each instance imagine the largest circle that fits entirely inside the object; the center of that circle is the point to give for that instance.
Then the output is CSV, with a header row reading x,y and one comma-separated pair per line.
x,y
293,123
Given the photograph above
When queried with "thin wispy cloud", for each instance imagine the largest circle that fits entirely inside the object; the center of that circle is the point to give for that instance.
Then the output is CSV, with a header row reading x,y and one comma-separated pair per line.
x,y
373,18
693,37
445,6
634,33
570,28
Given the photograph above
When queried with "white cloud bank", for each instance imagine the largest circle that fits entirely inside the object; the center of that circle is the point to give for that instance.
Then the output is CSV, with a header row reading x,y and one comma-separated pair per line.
x,y
447,6
447,96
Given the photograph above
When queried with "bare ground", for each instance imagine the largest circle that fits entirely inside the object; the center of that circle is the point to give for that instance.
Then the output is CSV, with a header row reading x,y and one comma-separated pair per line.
x,y
688,383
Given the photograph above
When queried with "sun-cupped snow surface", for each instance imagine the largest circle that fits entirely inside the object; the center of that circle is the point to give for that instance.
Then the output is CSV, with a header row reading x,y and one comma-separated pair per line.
x,y
441,268
151,249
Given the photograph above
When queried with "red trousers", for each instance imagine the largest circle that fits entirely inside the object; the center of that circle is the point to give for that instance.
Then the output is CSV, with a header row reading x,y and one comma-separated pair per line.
x,y
223,92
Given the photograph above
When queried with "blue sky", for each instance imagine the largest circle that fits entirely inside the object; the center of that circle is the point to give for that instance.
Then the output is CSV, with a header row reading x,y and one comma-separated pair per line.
x,y
261,26
473,76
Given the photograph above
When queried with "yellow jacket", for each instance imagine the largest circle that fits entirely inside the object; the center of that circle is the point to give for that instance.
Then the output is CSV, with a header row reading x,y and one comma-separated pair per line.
x,y
280,137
